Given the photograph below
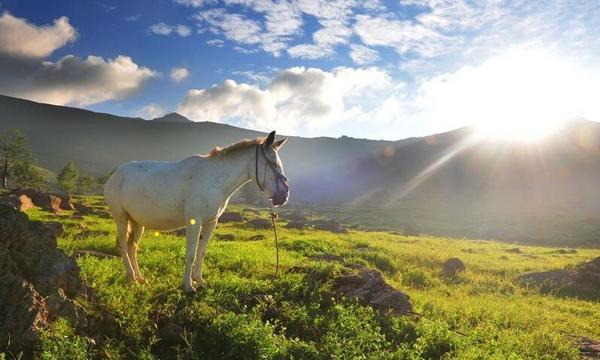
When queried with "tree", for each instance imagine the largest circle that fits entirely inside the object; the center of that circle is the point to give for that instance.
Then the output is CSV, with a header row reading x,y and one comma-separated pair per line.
x,y
85,182
18,161
26,174
67,178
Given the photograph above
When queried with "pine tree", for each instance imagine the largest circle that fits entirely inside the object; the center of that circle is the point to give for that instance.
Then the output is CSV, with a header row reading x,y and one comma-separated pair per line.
x,y
18,161
85,182
67,178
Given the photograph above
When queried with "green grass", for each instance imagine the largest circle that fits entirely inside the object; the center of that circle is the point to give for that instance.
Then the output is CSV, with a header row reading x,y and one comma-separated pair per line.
x,y
244,313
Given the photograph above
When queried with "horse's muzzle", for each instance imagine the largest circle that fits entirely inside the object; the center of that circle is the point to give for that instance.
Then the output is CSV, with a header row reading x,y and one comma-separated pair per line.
x,y
280,198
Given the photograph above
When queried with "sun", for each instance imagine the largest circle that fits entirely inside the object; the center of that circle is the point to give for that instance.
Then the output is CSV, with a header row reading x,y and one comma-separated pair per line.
x,y
523,94
524,130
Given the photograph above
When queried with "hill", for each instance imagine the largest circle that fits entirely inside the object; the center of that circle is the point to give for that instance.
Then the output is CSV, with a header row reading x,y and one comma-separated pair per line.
x,y
445,183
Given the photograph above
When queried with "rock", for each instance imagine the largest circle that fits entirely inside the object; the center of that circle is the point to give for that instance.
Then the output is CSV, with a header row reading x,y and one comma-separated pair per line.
x,y
583,281
21,202
84,209
170,333
225,237
589,348
46,201
259,223
38,282
66,201
257,237
231,216
327,257
514,250
369,287
452,267
329,225
298,225
294,216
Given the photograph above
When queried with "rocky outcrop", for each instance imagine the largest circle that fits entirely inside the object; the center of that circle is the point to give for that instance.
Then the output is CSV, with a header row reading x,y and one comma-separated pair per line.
x,y
38,282
369,288
583,281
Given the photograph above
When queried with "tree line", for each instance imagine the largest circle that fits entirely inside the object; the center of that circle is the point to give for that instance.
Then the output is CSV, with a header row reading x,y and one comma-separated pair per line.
x,y
20,169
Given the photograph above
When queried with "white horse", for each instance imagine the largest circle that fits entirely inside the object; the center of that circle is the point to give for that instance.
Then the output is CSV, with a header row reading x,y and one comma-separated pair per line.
x,y
190,193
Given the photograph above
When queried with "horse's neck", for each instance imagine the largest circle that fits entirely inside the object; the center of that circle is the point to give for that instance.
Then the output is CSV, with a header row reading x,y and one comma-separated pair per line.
x,y
235,170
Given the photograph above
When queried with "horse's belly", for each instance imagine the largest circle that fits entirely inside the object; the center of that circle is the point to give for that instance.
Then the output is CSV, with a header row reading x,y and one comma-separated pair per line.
x,y
160,210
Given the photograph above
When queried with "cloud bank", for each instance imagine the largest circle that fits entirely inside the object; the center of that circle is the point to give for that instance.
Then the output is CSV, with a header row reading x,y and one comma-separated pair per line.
x,y
70,80
296,98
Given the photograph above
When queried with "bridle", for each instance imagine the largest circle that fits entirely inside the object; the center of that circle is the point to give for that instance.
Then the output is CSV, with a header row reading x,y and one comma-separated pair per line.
x,y
279,177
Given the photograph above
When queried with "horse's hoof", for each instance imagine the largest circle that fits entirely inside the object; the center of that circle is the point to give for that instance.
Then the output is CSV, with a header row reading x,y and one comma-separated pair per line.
x,y
141,280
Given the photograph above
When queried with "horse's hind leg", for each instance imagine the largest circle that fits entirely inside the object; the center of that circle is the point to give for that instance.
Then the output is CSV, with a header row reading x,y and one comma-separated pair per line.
x,y
137,231
122,240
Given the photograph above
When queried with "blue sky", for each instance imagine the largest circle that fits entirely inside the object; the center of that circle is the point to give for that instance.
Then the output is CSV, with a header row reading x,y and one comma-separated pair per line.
x,y
375,69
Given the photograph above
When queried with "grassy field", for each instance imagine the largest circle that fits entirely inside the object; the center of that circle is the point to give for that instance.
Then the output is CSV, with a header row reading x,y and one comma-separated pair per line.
x,y
244,313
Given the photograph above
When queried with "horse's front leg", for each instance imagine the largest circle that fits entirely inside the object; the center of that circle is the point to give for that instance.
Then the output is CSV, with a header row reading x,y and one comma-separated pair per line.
x,y
205,234
191,244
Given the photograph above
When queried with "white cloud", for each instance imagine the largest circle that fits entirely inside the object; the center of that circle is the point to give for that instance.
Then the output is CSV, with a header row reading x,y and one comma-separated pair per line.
x,y
295,98
310,51
151,111
75,81
404,36
215,42
20,38
165,29
69,80
193,3
179,74
362,55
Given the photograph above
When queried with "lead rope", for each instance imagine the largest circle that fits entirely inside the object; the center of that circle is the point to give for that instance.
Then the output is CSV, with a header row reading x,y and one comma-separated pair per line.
x,y
273,218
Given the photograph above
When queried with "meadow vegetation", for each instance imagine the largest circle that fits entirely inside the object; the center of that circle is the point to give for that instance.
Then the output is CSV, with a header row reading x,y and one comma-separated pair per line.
x,y
245,313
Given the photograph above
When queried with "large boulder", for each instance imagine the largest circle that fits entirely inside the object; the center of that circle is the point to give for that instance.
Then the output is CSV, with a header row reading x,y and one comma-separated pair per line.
x,y
329,225
259,223
231,216
452,267
38,282
369,287
583,281
20,202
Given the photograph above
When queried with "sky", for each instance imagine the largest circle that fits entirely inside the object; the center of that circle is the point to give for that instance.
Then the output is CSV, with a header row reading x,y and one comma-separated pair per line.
x,y
366,69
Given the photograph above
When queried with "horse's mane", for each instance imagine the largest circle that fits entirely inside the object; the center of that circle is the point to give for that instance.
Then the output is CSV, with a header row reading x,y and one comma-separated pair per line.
x,y
236,146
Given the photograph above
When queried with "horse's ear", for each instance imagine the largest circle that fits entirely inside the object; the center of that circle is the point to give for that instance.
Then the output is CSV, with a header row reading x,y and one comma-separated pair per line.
x,y
279,143
270,139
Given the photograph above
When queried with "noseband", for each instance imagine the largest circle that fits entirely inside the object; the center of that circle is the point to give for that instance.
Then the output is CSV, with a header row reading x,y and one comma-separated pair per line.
x,y
278,176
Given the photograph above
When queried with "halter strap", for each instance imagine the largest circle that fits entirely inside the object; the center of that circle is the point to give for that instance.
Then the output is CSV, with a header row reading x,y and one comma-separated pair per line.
x,y
273,167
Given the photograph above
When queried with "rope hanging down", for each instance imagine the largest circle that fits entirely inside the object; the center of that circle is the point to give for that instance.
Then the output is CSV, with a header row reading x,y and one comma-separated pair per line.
x,y
273,218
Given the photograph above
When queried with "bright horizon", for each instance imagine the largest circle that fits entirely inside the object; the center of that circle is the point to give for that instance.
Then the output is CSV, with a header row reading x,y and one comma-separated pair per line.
x,y
378,70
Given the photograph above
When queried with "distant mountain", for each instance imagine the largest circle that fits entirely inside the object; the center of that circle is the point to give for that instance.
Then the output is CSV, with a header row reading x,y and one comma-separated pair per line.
x,y
173,117
448,181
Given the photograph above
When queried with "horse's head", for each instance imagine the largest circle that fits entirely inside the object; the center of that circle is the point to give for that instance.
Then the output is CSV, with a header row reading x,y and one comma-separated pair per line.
x,y
269,171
